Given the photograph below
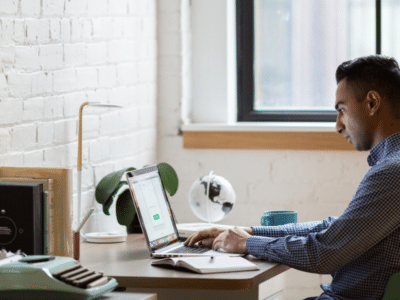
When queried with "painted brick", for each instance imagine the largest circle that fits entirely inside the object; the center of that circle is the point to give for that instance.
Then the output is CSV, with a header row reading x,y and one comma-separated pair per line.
x,y
52,7
33,109
32,30
109,124
147,71
129,118
98,96
9,6
64,80
19,84
56,156
76,30
7,30
19,31
107,76
33,158
72,103
27,57
65,30
23,137
134,47
119,146
45,133
65,131
149,26
42,83
11,111
53,107
117,51
97,7
44,31
55,29
75,7
132,27
99,150
86,78
120,96
5,140
148,116
7,55
51,56
97,26
96,53
117,27
74,55
13,160
3,86
107,27
127,73
30,7
138,7
118,7
91,123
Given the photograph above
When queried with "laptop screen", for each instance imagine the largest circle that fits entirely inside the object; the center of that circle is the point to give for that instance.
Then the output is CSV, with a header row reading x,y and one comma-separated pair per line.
x,y
152,207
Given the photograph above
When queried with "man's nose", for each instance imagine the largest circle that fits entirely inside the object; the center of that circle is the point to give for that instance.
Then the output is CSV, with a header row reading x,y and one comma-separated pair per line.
x,y
339,125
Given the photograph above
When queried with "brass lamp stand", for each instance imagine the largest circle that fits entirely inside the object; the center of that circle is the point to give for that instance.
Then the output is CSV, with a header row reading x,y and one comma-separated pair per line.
x,y
76,233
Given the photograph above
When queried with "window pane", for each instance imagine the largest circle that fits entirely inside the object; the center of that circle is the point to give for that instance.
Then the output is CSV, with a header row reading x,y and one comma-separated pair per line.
x,y
298,46
391,28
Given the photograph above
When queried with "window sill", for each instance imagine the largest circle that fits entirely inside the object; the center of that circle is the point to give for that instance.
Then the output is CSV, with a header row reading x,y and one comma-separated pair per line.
x,y
255,136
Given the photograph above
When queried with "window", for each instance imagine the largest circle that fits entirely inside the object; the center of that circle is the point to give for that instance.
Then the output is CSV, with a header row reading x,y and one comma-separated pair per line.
x,y
288,52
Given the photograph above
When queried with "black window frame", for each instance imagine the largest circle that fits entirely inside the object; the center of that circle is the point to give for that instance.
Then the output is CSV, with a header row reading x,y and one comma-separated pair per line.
x,y
245,72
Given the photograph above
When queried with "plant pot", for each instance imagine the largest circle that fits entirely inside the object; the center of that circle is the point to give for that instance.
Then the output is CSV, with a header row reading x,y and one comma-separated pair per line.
x,y
134,227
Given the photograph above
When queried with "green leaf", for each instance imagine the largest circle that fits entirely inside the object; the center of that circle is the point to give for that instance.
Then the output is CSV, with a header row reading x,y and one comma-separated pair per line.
x,y
125,209
169,178
107,205
109,186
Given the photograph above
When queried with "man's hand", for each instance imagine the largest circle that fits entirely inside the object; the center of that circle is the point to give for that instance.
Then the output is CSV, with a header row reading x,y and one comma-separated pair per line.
x,y
204,237
232,241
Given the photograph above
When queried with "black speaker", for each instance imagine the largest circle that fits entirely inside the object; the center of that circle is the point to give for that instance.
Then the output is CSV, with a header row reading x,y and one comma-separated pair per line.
x,y
21,217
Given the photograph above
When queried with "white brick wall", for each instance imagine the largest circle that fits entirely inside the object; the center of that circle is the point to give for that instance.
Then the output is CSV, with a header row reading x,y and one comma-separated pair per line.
x,y
317,184
56,55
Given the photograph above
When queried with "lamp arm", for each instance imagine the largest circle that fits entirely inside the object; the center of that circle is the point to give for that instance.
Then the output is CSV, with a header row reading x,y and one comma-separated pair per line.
x,y
80,136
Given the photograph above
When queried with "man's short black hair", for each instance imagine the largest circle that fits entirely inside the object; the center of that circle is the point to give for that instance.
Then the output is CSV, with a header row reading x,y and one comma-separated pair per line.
x,y
376,72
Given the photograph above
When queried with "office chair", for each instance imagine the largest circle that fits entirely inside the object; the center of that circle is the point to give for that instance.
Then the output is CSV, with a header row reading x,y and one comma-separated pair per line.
x,y
392,291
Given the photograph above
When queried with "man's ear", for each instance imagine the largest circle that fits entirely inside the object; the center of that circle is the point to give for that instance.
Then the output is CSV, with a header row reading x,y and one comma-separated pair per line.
x,y
374,102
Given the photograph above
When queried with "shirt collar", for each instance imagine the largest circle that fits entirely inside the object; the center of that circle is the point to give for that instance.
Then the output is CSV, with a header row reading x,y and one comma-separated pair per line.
x,y
384,148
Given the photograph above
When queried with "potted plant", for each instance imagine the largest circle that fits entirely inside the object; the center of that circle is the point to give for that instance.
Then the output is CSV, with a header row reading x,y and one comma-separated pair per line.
x,y
111,188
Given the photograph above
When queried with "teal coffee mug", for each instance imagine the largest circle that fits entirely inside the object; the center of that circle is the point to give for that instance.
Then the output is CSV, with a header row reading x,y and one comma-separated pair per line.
x,y
278,217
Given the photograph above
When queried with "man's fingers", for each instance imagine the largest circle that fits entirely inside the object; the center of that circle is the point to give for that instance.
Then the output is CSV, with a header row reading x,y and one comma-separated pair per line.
x,y
207,242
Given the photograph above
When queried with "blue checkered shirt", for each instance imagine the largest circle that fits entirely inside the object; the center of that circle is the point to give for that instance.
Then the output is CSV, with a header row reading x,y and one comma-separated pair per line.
x,y
361,248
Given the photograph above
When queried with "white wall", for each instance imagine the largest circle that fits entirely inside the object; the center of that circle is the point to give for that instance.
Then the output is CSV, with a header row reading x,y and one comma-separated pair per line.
x,y
57,54
317,184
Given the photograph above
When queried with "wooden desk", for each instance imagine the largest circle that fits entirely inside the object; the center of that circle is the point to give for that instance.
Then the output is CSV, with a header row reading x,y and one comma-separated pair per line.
x,y
127,296
129,264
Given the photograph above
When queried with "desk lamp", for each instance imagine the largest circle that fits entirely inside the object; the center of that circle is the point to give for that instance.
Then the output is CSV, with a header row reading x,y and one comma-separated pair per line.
x,y
79,167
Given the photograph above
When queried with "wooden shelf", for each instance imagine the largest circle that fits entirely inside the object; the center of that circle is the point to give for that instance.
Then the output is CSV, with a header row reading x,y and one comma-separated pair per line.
x,y
255,140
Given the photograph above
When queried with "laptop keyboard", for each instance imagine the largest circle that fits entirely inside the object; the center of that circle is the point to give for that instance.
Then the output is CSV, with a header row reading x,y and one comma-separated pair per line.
x,y
186,249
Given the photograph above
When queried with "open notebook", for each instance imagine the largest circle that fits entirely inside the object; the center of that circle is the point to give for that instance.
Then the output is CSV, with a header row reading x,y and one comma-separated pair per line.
x,y
209,264
156,218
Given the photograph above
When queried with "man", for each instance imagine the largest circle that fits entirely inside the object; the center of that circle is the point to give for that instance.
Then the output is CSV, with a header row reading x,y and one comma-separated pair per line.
x,y
361,248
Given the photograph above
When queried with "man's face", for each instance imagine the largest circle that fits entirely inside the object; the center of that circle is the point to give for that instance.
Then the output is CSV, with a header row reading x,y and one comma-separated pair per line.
x,y
353,120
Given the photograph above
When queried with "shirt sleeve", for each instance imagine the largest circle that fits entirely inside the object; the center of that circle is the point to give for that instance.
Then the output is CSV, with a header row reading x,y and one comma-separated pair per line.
x,y
370,217
300,229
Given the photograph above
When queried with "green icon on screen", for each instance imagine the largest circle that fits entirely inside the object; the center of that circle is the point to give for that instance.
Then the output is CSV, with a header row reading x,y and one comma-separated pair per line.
x,y
156,217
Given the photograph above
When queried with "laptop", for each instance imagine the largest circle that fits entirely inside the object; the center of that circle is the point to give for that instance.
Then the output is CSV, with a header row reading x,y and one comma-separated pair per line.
x,y
155,217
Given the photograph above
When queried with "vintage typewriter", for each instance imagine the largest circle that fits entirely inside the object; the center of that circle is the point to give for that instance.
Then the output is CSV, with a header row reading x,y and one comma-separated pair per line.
x,y
49,277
